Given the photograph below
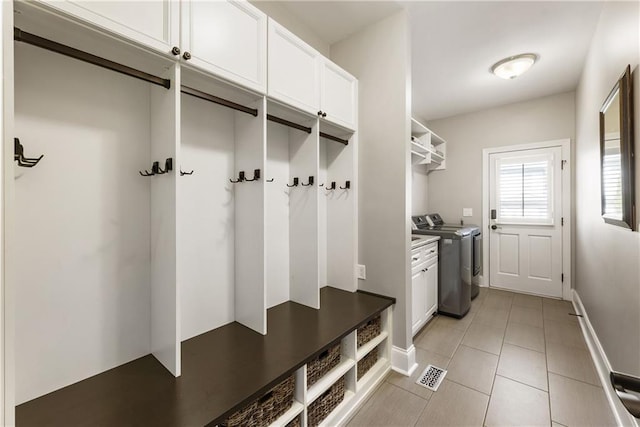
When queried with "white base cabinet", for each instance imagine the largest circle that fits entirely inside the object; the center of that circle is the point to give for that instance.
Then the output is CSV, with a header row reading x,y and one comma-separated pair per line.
x,y
424,285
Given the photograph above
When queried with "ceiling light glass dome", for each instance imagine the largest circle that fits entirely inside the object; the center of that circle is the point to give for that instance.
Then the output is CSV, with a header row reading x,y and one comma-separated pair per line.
x,y
514,66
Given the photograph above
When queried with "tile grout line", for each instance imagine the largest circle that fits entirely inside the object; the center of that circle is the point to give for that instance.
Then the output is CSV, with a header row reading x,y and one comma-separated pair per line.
x,y
520,382
546,359
574,379
470,388
493,383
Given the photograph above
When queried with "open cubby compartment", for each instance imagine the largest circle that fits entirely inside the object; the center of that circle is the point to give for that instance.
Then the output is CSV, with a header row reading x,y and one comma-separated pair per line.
x,y
344,368
297,410
93,263
338,228
380,344
221,232
291,211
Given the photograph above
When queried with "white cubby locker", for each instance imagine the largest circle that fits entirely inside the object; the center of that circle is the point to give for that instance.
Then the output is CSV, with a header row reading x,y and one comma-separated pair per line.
x,y
221,232
93,265
291,215
338,227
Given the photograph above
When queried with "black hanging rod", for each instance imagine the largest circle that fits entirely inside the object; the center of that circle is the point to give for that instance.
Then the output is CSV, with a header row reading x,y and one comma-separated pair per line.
x,y
334,138
275,119
304,128
216,100
32,39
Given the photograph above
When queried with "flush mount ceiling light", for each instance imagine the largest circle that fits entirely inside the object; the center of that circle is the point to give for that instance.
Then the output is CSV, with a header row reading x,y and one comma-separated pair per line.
x,y
514,66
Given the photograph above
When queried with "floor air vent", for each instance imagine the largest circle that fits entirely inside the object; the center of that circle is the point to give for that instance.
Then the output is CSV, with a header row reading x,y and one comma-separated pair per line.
x,y
431,377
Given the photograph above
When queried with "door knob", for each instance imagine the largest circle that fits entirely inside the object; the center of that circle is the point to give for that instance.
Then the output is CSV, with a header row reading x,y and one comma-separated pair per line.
x,y
494,227
186,56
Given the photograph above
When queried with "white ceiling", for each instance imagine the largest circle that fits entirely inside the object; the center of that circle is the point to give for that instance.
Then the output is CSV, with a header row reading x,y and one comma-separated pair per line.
x,y
333,21
455,43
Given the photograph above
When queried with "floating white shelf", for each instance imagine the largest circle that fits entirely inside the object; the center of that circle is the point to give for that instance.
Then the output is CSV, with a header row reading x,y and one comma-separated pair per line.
x,y
329,379
418,148
422,145
295,411
366,349
418,128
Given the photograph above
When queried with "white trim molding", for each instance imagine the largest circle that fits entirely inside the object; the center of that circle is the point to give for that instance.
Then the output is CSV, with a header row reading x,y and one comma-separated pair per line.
x,y
565,145
603,367
404,361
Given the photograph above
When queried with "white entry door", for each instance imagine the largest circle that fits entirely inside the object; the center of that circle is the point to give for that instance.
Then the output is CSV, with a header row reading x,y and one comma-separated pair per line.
x,y
526,221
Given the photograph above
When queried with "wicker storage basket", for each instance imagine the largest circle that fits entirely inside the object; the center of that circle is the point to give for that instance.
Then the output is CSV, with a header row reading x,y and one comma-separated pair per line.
x,y
326,403
326,361
367,362
295,422
369,331
266,409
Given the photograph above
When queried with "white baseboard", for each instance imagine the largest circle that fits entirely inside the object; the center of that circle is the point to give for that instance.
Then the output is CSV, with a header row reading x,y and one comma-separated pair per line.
x,y
404,361
482,283
603,367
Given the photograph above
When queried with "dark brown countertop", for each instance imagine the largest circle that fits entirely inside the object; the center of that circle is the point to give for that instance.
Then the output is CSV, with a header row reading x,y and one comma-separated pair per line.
x,y
221,370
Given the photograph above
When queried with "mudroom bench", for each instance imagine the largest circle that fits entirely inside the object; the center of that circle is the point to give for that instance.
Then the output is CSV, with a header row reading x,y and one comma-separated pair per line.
x,y
327,360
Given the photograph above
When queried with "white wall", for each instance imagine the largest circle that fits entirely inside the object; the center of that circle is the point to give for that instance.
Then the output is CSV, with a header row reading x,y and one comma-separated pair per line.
x,y
276,11
460,185
607,257
419,190
379,56
83,258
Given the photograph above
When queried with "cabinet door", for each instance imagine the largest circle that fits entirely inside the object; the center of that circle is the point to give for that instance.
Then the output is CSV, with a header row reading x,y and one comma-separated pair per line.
x,y
227,38
431,277
154,24
293,70
418,299
338,96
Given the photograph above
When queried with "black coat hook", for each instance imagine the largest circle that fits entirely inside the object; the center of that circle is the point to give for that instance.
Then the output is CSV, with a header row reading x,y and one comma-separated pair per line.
x,y
240,177
295,182
310,182
182,173
256,175
332,186
18,155
347,185
168,166
155,170
270,180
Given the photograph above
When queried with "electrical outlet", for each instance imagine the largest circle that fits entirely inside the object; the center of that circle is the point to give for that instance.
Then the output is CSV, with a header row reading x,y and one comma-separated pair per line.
x,y
467,212
362,272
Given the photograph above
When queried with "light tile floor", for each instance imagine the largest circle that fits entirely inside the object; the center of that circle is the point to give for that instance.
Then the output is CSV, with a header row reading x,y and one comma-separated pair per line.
x,y
513,360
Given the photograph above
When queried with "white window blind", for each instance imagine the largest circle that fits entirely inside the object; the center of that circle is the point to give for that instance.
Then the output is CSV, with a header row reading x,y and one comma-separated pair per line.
x,y
524,190
612,179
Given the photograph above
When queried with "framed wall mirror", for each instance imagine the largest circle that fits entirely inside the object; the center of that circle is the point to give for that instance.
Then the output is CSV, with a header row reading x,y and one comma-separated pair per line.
x,y
616,155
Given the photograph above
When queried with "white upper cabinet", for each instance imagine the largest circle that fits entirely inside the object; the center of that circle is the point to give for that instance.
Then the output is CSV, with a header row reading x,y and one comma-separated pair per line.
x,y
294,70
149,23
339,91
228,39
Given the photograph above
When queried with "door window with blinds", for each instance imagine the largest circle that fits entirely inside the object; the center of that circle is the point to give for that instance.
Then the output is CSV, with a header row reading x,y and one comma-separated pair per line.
x,y
612,177
524,190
